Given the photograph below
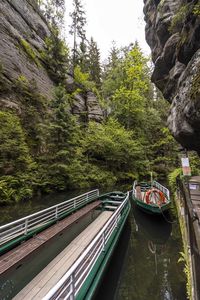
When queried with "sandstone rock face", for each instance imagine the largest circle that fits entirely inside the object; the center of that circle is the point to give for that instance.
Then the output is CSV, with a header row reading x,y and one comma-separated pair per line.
x,y
21,22
85,103
173,33
23,31
94,111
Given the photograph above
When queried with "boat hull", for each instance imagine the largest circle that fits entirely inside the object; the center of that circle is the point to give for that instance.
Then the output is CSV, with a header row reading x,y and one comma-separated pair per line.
x,y
151,209
94,279
152,198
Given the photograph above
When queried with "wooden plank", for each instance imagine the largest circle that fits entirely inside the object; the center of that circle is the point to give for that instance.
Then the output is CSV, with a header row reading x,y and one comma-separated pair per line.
x,y
195,192
195,198
195,179
138,192
50,275
18,254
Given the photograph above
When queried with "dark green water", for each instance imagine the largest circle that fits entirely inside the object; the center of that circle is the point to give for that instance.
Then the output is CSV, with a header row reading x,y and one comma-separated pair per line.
x,y
144,265
19,210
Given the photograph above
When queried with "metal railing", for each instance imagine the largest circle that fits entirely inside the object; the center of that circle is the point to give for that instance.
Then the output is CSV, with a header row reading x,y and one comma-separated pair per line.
x,y
71,283
134,189
192,224
161,188
27,224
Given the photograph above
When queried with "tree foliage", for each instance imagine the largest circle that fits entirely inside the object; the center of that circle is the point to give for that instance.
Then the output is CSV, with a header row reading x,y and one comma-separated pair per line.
x,y
56,57
94,64
46,148
16,163
54,11
77,30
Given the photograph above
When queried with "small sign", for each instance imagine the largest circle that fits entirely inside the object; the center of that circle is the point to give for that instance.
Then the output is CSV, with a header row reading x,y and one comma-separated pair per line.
x,y
185,162
193,186
186,166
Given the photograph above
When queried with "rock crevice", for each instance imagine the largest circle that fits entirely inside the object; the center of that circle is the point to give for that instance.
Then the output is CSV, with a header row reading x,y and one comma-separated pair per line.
x,y
173,34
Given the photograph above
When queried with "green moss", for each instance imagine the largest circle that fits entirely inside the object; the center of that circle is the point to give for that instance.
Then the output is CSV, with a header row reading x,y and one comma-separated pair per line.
x,y
195,87
172,178
179,17
184,256
196,9
160,5
30,52
186,260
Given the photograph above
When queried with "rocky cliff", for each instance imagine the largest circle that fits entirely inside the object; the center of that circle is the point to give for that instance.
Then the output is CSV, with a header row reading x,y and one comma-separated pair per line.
x,y
173,34
23,31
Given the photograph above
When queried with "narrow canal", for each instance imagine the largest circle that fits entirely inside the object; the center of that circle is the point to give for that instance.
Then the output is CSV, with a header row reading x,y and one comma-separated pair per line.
x,y
144,265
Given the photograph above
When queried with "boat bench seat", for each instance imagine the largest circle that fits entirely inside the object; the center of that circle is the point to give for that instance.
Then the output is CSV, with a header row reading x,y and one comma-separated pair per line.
x,y
112,202
110,207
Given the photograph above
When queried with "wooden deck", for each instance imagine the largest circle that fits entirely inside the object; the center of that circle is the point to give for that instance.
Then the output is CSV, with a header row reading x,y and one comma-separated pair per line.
x,y
50,275
18,254
194,187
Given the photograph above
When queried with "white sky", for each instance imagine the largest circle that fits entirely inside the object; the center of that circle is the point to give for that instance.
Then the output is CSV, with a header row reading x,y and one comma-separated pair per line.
x,y
108,20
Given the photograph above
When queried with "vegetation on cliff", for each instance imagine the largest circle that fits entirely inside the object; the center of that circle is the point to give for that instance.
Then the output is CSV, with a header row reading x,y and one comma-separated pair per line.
x,y
44,147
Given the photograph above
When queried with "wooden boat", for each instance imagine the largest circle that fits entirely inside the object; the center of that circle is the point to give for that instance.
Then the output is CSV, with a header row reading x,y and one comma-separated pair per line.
x,y
152,198
76,271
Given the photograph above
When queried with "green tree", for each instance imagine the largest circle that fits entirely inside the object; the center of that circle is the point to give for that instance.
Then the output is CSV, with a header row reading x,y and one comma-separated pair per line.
x,y
77,30
16,163
94,63
54,11
62,135
56,57
127,86
112,147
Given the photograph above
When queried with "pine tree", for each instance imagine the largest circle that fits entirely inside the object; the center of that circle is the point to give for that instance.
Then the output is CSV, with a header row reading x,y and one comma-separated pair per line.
x,y
77,29
113,58
94,63
56,57
54,11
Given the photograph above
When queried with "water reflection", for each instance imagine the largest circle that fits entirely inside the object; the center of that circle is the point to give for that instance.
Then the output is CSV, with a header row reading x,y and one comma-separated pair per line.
x,y
25,208
156,230
144,265
152,271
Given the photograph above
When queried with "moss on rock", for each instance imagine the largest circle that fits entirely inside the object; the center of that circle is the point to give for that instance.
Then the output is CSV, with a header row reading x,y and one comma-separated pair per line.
x,y
195,88
29,51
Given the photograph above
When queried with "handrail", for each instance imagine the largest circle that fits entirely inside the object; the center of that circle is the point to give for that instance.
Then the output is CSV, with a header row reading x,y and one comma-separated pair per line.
x,y
26,224
134,189
155,184
69,285
161,188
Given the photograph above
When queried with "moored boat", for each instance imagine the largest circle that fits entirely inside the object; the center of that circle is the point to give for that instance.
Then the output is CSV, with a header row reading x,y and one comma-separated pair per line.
x,y
152,198
97,257
77,271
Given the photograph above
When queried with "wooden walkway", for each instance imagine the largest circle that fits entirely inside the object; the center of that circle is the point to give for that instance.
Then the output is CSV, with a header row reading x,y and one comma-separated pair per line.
x,y
194,187
17,255
53,272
